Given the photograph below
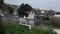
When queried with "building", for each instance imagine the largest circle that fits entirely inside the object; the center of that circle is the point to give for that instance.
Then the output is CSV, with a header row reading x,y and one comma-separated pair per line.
x,y
40,14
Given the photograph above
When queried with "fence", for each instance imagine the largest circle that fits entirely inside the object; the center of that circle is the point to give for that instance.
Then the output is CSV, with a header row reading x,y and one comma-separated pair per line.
x,y
17,20
10,19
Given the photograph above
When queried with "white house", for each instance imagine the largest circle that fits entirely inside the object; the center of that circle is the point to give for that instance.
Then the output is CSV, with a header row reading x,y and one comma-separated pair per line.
x,y
31,15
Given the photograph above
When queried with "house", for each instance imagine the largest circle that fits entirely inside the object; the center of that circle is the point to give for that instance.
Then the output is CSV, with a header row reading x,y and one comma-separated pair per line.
x,y
40,14
31,15
48,14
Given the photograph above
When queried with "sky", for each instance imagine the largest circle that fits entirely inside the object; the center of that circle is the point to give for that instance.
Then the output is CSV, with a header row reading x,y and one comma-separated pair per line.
x,y
39,4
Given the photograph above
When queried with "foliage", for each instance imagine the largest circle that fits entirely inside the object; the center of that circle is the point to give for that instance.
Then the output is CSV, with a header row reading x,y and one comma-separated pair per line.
x,y
42,30
1,1
0,19
23,9
1,28
10,9
19,29
55,22
11,28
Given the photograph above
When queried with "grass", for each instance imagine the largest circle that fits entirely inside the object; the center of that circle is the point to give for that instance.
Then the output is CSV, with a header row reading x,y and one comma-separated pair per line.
x,y
11,28
42,30
19,29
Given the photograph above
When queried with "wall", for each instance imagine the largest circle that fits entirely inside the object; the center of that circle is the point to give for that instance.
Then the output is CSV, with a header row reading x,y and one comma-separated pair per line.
x,y
17,20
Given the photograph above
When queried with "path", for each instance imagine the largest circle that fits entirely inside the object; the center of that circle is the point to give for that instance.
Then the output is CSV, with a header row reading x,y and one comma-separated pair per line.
x,y
57,31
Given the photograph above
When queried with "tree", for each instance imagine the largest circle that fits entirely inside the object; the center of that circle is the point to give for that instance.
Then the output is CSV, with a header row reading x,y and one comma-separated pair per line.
x,y
1,3
1,28
23,9
8,10
11,10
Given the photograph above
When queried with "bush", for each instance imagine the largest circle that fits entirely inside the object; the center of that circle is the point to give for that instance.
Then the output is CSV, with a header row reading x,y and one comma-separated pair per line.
x,y
0,19
55,22
1,29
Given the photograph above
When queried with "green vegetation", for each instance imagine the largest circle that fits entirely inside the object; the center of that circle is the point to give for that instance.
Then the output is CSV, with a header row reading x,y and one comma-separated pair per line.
x,y
23,10
42,30
11,10
19,29
0,19
55,22
1,28
11,28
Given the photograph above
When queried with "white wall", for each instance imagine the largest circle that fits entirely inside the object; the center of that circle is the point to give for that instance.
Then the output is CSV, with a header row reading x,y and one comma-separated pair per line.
x,y
31,15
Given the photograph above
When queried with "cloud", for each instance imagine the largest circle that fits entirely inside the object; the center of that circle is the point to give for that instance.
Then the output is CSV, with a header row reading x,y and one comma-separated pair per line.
x,y
41,4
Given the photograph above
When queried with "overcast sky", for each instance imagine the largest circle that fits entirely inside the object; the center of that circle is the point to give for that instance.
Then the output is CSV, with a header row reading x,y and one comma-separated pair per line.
x,y
41,4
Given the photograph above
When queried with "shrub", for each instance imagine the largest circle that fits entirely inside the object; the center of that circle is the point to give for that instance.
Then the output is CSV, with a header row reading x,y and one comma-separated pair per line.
x,y
0,19
1,29
55,22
